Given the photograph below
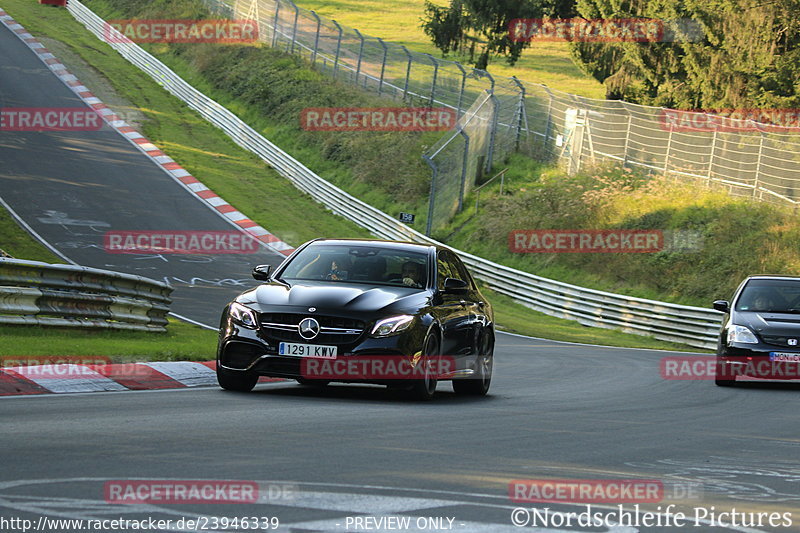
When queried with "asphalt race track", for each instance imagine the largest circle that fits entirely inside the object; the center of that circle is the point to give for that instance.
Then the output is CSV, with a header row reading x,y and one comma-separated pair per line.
x,y
323,459
555,411
72,187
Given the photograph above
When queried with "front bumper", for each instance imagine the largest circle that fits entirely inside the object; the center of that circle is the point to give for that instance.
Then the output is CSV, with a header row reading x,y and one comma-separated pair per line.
x,y
254,350
762,361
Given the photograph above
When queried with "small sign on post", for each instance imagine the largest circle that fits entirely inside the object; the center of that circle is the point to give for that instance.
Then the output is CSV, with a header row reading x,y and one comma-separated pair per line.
x,y
408,218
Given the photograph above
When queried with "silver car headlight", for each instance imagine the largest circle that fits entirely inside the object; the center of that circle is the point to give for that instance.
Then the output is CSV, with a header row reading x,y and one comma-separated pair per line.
x,y
243,315
392,326
741,334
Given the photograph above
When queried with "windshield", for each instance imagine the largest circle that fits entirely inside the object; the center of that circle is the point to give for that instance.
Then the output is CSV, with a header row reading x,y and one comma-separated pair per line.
x,y
359,264
770,296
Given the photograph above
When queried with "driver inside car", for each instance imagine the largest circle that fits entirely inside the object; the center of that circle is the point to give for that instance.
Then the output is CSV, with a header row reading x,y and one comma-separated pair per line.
x,y
410,274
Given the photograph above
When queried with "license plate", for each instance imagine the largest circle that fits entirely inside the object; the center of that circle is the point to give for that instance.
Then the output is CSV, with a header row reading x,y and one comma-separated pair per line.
x,y
785,357
307,350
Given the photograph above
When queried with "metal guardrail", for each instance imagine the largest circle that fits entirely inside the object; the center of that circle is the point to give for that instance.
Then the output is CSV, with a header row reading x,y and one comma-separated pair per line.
x,y
36,293
694,326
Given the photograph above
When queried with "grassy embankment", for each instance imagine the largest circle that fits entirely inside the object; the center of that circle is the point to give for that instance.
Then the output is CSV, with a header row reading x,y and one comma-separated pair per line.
x,y
264,86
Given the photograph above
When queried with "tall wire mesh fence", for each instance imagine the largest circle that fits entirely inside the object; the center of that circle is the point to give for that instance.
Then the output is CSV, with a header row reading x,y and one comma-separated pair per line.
x,y
501,115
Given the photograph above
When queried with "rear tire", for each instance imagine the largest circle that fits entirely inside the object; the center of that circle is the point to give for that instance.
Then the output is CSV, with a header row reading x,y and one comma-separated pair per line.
x,y
424,389
480,383
238,381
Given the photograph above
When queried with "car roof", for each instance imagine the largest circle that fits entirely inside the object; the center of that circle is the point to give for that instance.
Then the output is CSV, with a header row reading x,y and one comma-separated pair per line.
x,y
397,245
776,276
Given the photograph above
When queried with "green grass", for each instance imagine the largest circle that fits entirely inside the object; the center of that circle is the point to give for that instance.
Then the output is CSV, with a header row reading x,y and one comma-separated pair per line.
x,y
738,237
244,180
18,243
398,21
182,342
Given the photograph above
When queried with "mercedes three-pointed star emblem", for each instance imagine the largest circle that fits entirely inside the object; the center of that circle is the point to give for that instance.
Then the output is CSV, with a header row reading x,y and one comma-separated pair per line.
x,y
308,328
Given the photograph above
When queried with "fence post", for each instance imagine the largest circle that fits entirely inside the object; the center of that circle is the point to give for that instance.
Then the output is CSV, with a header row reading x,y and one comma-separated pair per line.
x,y
316,38
669,147
492,131
435,78
758,163
548,127
338,49
275,23
432,195
383,63
521,112
461,92
408,71
711,157
360,54
294,29
464,164
627,138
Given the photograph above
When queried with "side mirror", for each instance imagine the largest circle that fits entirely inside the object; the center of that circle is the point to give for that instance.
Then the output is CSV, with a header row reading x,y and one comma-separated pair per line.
x,y
722,305
261,272
453,285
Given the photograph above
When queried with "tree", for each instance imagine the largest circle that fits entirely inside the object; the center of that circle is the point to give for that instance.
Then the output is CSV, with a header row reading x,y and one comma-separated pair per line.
x,y
479,29
747,54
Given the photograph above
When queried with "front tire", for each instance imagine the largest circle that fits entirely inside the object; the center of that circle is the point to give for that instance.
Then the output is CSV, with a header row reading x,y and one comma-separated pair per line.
x,y
313,382
238,381
721,371
424,389
478,385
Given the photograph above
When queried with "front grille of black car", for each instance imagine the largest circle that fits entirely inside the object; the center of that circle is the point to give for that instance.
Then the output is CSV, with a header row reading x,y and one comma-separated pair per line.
x,y
778,340
335,330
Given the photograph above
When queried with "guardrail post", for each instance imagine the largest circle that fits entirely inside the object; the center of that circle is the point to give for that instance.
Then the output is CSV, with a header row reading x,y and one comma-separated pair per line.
x,y
408,71
294,29
383,63
338,49
432,195
435,78
275,23
316,38
360,54
464,164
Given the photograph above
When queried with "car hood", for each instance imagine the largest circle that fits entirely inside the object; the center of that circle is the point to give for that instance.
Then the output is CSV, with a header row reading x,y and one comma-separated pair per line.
x,y
771,323
336,296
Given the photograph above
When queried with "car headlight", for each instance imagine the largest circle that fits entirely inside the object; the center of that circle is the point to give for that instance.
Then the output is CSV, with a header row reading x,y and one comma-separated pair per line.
x,y
742,335
243,315
391,326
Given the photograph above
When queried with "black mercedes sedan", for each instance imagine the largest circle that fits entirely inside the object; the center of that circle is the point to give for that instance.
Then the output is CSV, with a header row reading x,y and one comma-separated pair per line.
x,y
400,314
760,335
